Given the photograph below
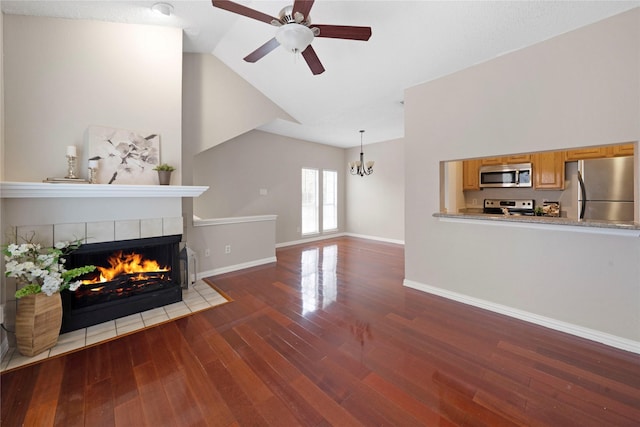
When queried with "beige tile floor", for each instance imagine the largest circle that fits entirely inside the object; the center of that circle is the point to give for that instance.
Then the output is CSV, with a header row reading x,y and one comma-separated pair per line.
x,y
199,296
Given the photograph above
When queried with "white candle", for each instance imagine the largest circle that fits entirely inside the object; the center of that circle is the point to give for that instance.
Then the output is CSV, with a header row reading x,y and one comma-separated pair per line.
x,y
71,150
93,164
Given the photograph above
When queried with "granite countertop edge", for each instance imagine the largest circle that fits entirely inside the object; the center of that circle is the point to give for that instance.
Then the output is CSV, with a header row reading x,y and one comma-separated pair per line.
x,y
542,220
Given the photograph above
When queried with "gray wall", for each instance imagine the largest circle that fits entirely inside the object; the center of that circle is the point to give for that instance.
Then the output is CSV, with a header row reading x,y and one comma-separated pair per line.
x,y
219,105
62,76
375,203
578,89
238,169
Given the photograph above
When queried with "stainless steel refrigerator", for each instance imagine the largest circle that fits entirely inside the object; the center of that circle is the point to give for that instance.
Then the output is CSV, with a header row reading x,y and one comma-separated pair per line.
x,y
606,190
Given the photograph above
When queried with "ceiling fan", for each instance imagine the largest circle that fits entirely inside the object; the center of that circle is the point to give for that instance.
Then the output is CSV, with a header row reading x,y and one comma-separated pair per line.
x,y
295,31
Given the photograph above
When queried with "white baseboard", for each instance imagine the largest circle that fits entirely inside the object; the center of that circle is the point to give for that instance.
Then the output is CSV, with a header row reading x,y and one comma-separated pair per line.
x,y
309,240
558,325
331,236
379,239
235,267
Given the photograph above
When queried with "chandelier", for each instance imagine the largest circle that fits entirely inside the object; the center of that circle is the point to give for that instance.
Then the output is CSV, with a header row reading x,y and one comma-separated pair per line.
x,y
359,167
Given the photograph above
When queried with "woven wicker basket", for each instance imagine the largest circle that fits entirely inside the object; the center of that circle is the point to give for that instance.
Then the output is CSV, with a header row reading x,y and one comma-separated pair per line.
x,y
38,322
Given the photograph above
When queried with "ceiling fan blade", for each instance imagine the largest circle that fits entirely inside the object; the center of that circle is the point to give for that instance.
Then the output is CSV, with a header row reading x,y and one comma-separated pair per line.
x,y
243,10
343,32
313,61
262,50
302,6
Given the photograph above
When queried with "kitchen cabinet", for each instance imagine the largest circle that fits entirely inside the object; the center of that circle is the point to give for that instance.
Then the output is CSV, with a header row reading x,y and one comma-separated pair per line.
x,y
490,161
600,152
548,170
471,175
504,160
622,150
520,158
586,153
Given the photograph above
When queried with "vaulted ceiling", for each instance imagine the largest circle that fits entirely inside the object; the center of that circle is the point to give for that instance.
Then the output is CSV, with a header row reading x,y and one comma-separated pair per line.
x,y
363,86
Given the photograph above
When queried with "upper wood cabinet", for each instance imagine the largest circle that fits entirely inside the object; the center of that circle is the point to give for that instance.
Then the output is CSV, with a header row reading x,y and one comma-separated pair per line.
x,y
622,150
600,152
471,175
586,153
548,170
488,161
518,158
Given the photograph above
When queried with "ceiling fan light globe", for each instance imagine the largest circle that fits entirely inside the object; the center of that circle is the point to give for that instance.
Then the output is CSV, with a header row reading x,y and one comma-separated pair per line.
x,y
294,37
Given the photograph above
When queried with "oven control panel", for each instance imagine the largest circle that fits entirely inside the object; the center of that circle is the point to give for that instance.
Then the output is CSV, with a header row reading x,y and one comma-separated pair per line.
x,y
523,206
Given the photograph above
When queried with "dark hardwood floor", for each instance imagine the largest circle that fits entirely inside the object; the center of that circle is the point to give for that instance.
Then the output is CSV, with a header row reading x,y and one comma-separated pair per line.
x,y
329,336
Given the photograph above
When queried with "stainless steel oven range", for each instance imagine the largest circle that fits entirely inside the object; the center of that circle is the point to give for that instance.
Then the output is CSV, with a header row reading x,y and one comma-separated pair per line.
x,y
510,207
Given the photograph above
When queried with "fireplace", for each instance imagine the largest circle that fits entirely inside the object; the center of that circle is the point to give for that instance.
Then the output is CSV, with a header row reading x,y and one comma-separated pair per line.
x,y
132,276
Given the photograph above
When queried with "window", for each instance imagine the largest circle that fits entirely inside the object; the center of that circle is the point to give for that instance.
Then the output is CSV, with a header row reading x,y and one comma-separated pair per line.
x,y
329,200
310,220
311,214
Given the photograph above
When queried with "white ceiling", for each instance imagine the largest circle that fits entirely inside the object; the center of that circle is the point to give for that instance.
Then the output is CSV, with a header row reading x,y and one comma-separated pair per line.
x,y
363,86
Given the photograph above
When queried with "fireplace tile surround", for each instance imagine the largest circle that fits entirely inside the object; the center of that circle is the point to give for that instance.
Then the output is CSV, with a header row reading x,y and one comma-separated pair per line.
x,y
103,231
93,213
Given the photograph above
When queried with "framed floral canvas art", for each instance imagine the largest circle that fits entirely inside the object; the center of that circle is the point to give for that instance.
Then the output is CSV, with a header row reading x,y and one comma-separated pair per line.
x,y
124,156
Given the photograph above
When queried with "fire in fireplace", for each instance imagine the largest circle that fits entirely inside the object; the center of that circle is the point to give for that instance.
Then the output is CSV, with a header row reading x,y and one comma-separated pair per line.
x,y
131,276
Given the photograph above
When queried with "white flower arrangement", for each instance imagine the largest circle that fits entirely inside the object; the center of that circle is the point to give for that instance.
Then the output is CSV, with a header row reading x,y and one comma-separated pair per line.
x,y
42,269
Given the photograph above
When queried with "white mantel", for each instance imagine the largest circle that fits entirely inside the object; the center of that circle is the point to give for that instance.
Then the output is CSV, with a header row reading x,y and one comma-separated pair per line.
x,y
21,190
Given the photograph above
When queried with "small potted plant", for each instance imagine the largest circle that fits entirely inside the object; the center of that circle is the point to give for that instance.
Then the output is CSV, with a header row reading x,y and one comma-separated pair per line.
x,y
164,173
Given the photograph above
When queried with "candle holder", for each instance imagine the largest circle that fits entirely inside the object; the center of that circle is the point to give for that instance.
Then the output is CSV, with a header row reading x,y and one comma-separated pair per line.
x,y
71,160
92,175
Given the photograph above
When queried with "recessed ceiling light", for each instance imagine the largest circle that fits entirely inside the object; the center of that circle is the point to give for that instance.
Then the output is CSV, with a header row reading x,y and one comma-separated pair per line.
x,y
163,8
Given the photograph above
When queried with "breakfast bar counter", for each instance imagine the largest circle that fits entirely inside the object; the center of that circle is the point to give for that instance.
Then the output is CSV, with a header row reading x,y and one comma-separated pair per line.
x,y
524,220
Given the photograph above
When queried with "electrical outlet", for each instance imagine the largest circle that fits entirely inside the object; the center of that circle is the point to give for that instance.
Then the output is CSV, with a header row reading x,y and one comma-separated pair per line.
x,y
227,249
207,252
474,202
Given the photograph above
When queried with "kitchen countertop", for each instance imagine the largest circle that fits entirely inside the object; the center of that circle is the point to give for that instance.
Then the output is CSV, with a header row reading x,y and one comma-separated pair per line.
x,y
547,220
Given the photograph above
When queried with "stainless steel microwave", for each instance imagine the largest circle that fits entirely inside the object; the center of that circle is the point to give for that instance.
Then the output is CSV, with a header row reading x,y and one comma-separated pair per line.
x,y
516,175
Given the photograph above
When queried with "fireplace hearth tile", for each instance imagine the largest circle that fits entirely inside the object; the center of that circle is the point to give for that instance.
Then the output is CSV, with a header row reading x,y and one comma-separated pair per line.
x,y
155,316
199,305
153,313
177,309
7,359
80,334
18,360
214,300
128,320
101,328
61,348
130,327
103,336
156,320
194,300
